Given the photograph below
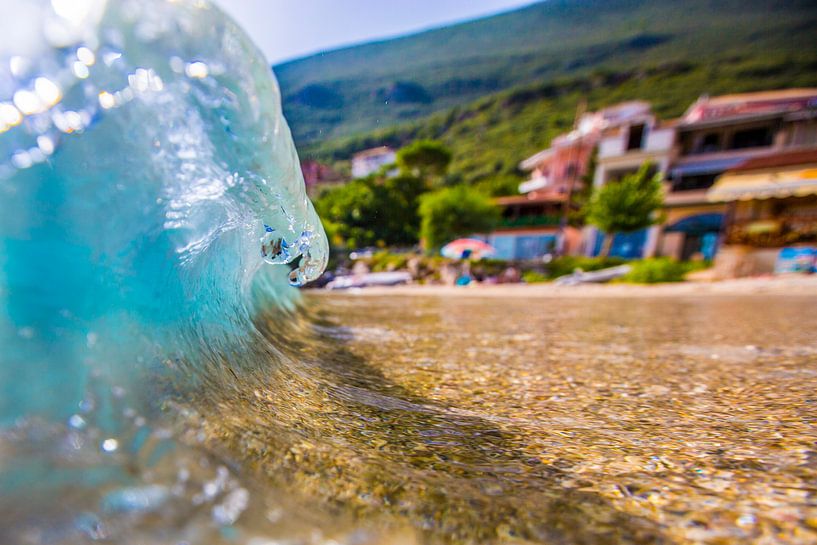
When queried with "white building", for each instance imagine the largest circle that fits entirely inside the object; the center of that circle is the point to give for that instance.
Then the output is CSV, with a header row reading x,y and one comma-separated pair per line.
x,y
638,138
369,161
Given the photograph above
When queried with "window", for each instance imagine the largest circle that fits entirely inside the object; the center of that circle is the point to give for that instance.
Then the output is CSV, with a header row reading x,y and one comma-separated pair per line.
x,y
752,138
711,142
636,137
693,182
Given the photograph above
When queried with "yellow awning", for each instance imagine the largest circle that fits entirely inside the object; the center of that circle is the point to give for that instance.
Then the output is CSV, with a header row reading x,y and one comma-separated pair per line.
x,y
776,183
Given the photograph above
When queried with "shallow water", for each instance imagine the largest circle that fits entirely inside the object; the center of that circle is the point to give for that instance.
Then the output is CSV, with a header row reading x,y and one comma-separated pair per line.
x,y
468,420
162,383
422,419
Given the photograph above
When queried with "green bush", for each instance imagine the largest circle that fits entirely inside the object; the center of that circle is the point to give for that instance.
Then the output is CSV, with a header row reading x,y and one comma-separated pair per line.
x,y
453,212
658,270
534,277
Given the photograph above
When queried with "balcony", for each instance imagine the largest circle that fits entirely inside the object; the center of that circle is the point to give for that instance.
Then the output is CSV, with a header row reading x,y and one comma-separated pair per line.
x,y
655,141
551,220
540,182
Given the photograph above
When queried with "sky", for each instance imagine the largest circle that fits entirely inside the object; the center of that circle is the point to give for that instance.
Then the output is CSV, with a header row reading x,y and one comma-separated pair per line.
x,y
286,29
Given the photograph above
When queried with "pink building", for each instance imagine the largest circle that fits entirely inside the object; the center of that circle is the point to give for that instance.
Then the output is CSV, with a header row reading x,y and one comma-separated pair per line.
x,y
318,175
567,159
532,222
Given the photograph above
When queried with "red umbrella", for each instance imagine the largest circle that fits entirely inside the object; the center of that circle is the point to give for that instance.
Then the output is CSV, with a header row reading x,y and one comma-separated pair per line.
x,y
464,248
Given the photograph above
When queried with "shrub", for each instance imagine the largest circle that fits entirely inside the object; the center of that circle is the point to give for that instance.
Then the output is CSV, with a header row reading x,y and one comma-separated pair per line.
x,y
658,270
534,277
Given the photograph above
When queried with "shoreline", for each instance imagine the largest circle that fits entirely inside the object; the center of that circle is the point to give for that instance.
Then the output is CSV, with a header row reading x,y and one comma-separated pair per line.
x,y
794,285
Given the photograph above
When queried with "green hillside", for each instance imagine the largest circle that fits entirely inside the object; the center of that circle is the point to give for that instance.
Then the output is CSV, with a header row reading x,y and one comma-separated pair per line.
x,y
358,89
490,136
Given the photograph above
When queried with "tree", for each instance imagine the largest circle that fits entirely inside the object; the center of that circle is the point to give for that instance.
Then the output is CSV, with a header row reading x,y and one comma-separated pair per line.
x,y
626,205
455,211
372,211
424,158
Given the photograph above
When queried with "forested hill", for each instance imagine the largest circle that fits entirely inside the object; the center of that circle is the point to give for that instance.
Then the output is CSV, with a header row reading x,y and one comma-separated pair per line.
x,y
357,89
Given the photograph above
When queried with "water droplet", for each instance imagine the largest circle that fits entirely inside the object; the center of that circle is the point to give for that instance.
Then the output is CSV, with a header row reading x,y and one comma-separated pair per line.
x,y
90,525
196,70
275,250
106,100
296,278
22,159
18,65
111,57
27,102
45,144
86,56
73,11
87,405
47,91
80,70
77,422
9,116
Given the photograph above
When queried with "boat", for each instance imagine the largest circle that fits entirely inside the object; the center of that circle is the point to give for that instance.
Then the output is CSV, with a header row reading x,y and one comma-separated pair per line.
x,y
368,280
593,277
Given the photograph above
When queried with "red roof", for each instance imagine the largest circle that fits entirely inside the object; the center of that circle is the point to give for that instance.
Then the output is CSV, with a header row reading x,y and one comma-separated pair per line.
x,y
747,105
785,159
373,152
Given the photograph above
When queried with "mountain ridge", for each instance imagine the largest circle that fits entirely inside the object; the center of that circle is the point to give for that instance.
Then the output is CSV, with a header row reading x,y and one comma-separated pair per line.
x,y
357,89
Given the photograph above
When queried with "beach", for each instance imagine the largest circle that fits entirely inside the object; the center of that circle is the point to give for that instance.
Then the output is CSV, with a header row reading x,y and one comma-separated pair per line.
x,y
781,285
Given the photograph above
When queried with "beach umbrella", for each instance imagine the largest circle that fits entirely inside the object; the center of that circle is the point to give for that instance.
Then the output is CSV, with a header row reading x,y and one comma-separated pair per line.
x,y
464,248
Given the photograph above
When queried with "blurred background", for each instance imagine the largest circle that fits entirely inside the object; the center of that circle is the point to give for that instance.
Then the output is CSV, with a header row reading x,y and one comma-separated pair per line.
x,y
533,106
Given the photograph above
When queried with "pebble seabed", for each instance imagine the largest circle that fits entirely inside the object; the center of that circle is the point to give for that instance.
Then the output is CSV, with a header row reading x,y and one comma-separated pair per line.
x,y
427,419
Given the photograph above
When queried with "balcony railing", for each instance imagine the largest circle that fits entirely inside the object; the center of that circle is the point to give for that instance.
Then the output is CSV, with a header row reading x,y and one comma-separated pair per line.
x,y
530,221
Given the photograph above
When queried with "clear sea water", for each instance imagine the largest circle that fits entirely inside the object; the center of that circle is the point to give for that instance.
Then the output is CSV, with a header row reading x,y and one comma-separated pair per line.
x,y
163,382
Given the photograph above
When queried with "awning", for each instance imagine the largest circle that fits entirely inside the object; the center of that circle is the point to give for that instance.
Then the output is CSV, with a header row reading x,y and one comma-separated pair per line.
x,y
532,162
795,181
534,184
712,166
699,223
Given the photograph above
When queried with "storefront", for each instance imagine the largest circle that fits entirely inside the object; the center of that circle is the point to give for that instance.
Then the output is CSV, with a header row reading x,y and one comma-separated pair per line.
x,y
772,201
771,205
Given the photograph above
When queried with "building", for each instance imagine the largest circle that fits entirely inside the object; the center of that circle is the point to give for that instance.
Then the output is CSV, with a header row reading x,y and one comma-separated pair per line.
x,y
716,135
529,228
531,222
637,137
318,176
771,202
713,136
367,162
731,134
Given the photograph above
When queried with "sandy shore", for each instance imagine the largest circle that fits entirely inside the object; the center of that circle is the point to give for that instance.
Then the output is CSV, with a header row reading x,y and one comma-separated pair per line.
x,y
787,285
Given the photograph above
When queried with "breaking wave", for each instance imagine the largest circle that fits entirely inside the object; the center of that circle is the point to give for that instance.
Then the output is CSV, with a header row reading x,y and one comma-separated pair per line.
x,y
151,205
